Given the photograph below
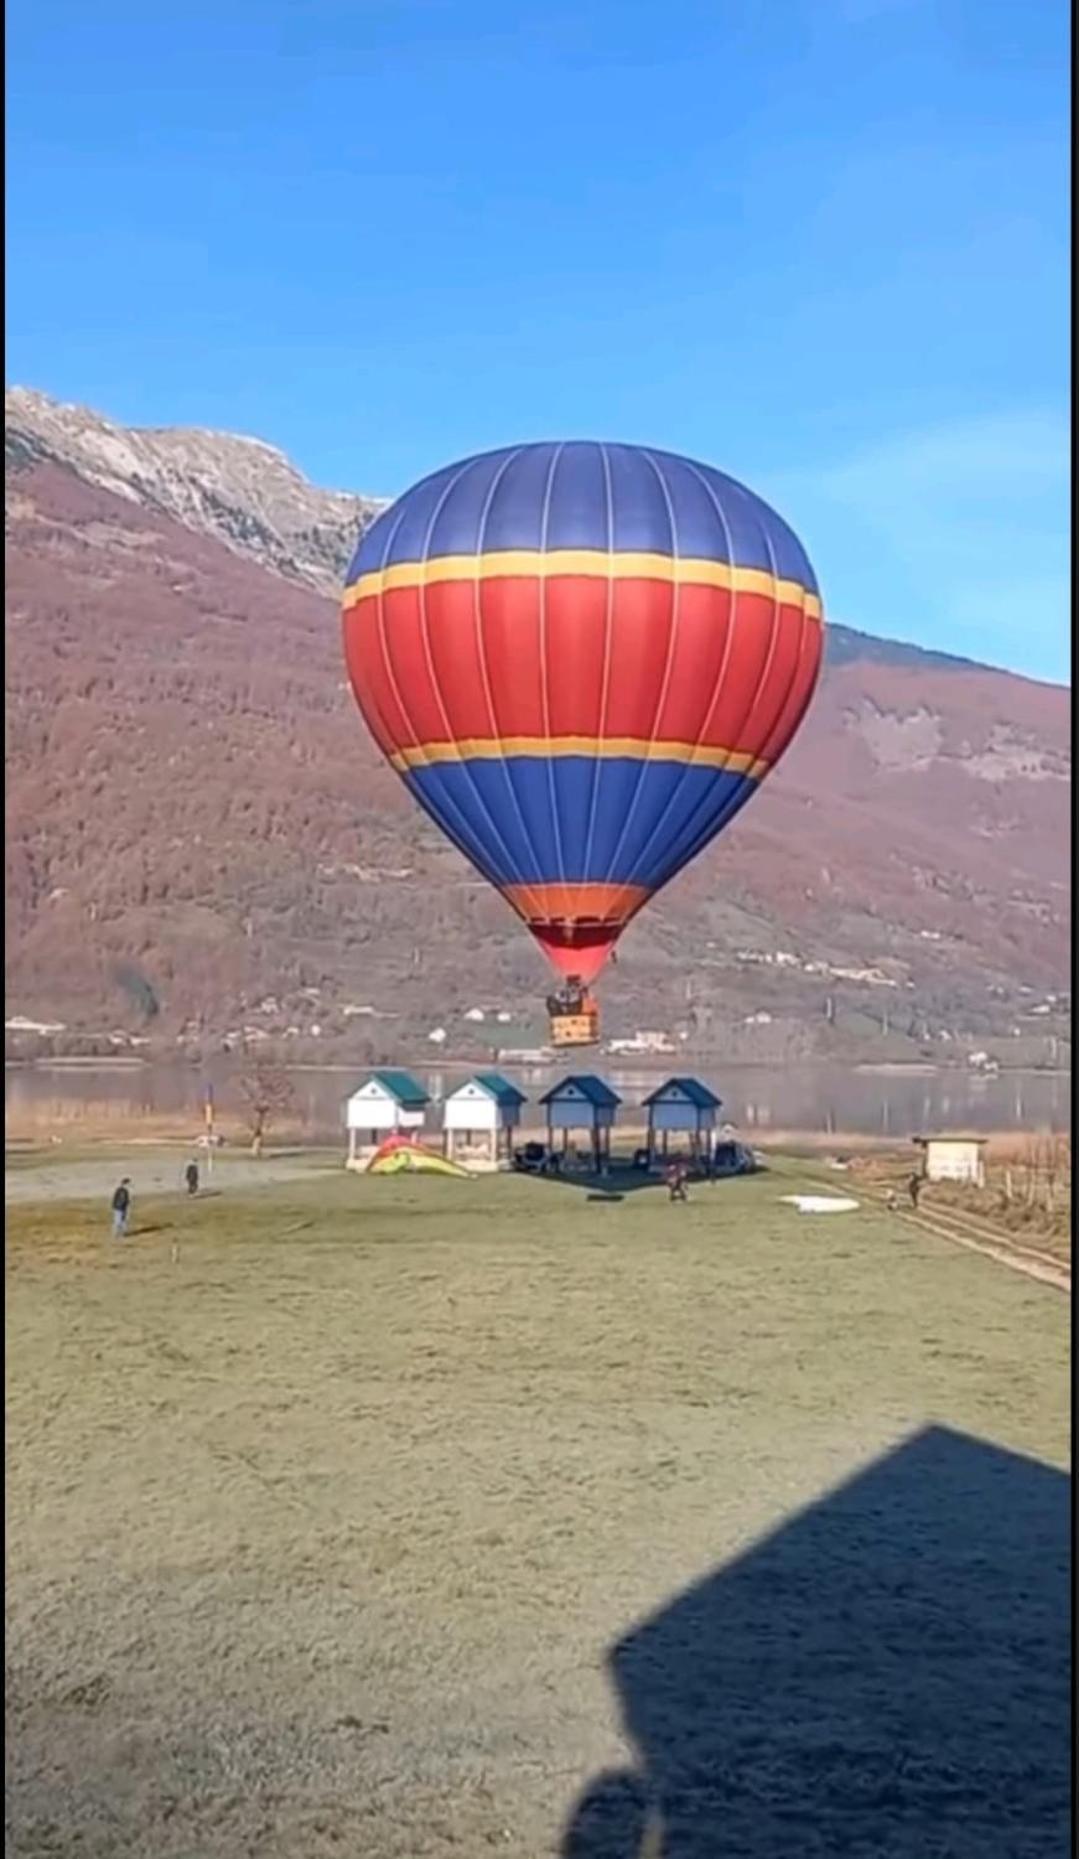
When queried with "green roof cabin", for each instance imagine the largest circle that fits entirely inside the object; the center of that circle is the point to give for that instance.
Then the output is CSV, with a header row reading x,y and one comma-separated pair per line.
x,y
479,1119
386,1101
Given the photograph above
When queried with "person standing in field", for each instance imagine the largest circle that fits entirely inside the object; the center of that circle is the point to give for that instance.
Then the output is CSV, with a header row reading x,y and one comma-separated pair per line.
x,y
914,1188
191,1177
676,1182
121,1209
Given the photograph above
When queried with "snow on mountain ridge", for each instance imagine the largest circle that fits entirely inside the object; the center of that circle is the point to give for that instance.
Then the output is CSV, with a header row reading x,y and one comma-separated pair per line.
x,y
242,491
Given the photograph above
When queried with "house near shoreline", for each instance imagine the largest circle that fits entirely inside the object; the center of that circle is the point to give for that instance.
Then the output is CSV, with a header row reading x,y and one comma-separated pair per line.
x,y
479,1119
682,1108
387,1102
586,1104
953,1158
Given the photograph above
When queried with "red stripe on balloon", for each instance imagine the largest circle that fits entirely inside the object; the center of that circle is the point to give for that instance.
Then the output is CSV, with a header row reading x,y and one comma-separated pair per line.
x,y
633,658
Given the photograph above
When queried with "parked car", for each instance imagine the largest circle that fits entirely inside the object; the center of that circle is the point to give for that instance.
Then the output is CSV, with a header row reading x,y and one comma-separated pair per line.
x,y
733,1158
536,1159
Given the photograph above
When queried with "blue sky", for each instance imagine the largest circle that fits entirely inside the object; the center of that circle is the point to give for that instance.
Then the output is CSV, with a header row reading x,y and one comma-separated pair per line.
x,y
819,243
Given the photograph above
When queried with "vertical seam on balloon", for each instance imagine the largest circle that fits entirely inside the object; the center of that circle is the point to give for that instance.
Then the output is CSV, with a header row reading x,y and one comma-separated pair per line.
x,y
544,690
708,832
425,636
724,766
803,634
774,636
481,646
391,676
605,687
452,832
664,682
679,783
350,623
710,829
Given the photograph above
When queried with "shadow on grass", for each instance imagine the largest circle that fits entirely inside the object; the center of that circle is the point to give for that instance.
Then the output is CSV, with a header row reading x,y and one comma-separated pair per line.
x,y
622,1179
887,1674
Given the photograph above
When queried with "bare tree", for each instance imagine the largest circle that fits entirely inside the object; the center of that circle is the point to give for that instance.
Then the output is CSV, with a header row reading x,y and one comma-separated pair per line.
x,y
1046,1172
267,1091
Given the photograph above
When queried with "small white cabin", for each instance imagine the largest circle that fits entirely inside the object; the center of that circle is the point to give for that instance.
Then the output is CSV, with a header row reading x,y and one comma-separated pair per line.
x,y
479,1119
387,1101
953,1158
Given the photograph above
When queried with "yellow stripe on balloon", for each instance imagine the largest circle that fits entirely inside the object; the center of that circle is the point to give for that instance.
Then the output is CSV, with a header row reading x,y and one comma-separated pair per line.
x,y
609,748
598,563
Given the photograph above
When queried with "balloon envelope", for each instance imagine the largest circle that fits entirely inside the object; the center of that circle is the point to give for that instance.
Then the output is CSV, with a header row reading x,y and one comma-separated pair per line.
x,y
583,660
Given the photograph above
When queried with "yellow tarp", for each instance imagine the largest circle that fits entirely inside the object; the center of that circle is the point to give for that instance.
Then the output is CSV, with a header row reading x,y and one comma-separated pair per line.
x,y
407,1159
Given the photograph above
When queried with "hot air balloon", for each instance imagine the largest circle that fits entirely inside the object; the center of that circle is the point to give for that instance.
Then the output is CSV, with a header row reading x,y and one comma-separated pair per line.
x,y
582,660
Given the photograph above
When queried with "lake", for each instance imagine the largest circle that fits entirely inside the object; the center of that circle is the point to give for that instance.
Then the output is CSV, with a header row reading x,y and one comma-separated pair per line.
x,y
824,1099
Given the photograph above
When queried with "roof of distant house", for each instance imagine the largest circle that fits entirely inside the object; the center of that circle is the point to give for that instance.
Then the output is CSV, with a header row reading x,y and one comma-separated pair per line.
x,y
952,1136
401,1085
701,1095
500,1088
583,1084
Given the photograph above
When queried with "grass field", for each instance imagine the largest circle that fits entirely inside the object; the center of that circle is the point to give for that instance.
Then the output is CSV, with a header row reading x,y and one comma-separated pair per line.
x,y
394,1519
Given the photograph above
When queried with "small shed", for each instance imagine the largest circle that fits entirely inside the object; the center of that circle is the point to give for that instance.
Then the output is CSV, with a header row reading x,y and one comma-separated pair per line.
x,y
479,1118
387,1100
586,1103
682,1107
953,1158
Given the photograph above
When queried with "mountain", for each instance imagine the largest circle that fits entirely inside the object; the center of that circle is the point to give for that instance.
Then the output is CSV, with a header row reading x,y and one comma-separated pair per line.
x,y
202,838
241,492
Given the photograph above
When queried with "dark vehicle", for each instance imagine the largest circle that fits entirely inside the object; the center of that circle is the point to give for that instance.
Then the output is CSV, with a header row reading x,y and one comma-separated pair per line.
x,y
536,1159
732,1158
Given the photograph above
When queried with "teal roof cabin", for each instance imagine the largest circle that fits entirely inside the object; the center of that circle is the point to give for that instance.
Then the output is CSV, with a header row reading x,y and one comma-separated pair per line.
x,y
479,1118
386,1101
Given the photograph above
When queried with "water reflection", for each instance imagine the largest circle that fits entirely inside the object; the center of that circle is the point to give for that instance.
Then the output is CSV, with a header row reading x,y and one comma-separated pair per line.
x,y
828,1099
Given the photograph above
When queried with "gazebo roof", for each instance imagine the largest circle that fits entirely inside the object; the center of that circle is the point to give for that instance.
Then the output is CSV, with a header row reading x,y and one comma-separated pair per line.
x,y
504,1093
402,1087
698,1094
594,1090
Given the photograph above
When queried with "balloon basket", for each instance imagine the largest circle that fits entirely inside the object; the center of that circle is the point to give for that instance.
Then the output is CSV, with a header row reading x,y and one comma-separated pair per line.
x,y
575,1029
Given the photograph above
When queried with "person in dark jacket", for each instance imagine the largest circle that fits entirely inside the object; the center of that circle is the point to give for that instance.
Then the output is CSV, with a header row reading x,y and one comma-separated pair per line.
x,y
914,1189
191,1177
121,1209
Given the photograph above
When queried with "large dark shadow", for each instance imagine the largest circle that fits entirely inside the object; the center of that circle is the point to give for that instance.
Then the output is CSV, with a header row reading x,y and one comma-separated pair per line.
x,y
622,1179
619,1180
884,1677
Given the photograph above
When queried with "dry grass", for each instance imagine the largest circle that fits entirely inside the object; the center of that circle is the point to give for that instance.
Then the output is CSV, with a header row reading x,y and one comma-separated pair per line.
x,y
327,1502
67,1122
1027,1192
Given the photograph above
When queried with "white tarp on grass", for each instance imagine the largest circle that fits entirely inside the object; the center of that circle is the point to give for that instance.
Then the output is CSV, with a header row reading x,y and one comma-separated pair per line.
x,y
820,1203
